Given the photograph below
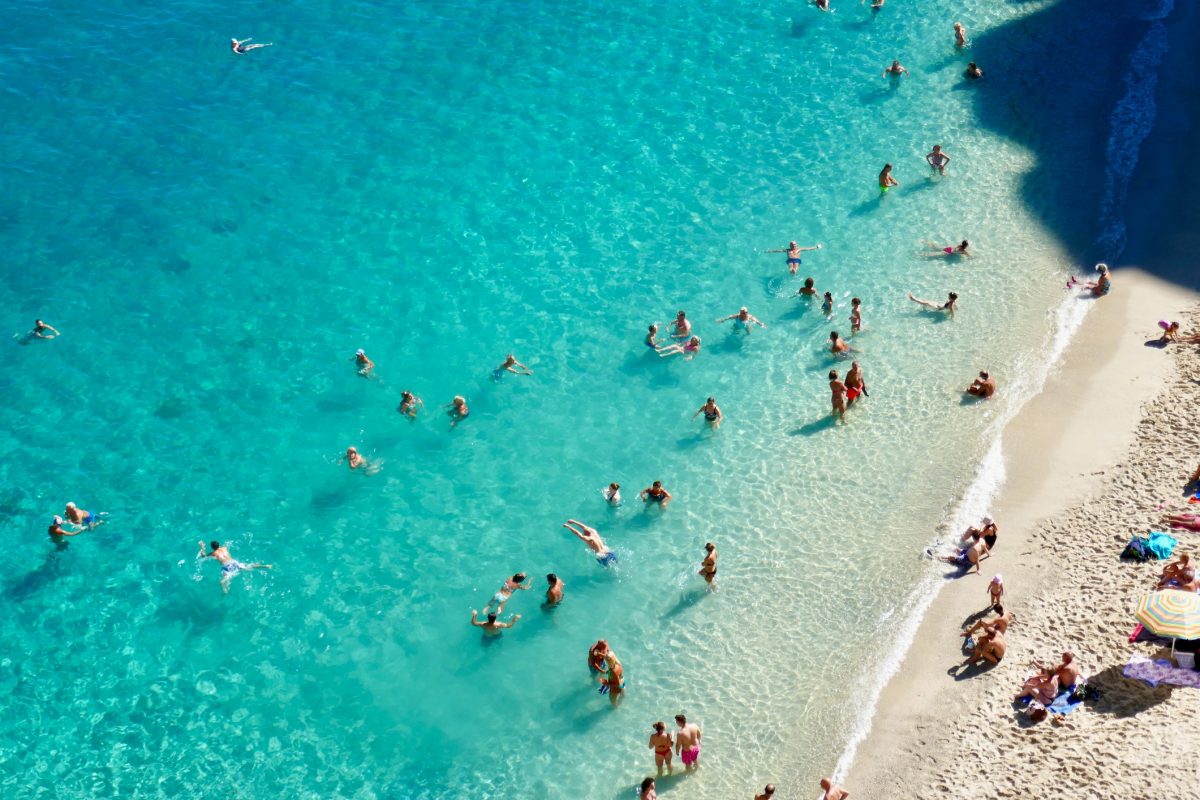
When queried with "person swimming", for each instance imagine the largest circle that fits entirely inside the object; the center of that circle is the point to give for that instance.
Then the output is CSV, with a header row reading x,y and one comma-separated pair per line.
x,y
837,345
516,583
838,388
229,565
941,251
364,364
793,251
973,72
82,517
827,303
457,410
240,47
591,538
510,365
688,350
855,385
409,404
743,320
808,289
984,386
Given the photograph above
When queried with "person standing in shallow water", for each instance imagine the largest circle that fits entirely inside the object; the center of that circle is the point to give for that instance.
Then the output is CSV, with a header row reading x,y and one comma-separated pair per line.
x,y
886,181
708,567
409,405
839,394
712,413
662,743
554,592
855,385
937,159
687,742
457,410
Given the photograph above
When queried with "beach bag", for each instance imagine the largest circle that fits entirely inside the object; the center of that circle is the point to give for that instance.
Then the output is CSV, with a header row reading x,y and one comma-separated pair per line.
x,y
1138,549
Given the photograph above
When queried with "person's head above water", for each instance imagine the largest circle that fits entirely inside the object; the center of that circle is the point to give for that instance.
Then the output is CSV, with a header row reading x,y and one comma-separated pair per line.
x,y
648,783
833,336
792,244
742,311
656,485
360,352
680,315
710,401
954,295
709,547
808,283
518,578
614,486
491,618
215,545
829,296
552,579
459,400
653,329
833,375
1102,268
983,373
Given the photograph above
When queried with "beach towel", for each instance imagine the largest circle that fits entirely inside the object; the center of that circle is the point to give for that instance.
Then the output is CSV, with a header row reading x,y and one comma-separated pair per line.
x,y
1160,671
1063,704
1161,545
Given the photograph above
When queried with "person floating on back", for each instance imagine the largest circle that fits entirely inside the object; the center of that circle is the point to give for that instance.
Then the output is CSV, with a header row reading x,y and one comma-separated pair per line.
x,y
240,47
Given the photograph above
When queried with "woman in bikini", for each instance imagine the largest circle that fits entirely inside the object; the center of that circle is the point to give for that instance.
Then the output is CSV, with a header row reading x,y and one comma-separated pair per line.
x,y
662,742
708,567
688,350
963,248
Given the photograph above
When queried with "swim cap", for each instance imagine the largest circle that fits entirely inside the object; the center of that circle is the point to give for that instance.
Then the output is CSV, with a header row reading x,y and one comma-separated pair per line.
x,y
997,579
360,352
58,520
1102,267
987,520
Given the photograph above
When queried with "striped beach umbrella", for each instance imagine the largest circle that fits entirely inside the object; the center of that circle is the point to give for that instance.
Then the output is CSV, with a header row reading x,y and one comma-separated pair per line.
x,y
1170,613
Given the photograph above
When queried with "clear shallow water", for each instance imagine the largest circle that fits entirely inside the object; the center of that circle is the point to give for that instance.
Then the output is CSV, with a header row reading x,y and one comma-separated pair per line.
x,y
441,185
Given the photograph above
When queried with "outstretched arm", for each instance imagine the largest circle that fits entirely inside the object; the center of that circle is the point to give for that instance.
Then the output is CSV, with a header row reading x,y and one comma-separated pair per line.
x,y
578,534
806,249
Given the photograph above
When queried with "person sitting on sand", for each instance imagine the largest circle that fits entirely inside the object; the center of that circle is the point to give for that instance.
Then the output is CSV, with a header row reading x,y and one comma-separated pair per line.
x,y
990,647
973,72
651,339
963,248
1066,672
1170,574
895,70
502,596
688,350
983,386
240,47
948,306
1000,623
1042,687
1099,287
832,790
987,529
793,251
968,557
743,320
1170,332
1194,478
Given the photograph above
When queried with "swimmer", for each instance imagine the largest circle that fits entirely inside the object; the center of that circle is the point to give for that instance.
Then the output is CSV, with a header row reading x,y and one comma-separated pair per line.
x,y
808,289
82,517
240,47
983,386
56,528
948,306
662,743
409,405
682,326
505,592
839,394
353,458
651,339
743,320
708,567
364,364
655,493
592,539
712,413
491,627
886,181
827,303
511,365
963,248
229,566
973,72
960,35
40,331
457,410
822,5
855,315
854,384
554,592
612,494
937,159
793,251
837,345
895,71
688,350
832,791
1099,287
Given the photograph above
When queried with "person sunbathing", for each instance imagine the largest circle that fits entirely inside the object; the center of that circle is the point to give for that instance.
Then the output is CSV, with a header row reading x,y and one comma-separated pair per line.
x,y
1000,623
1184,581
1067,673
1041,687
991,647
1171,572
1189,522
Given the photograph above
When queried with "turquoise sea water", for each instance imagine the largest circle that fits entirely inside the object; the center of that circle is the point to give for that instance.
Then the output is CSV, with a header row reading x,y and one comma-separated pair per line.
x,y
442,184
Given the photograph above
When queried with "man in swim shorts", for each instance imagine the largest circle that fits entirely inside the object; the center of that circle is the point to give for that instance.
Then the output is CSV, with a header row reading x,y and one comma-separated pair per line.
x,y
855,385
886,181
490,626
687,742
743,320
661,743
655,493
984,386
229,566
79,516
682,326
592,539
793,251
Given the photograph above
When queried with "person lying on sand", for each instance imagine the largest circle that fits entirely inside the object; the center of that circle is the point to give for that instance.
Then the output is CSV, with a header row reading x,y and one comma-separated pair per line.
x,y
1189,522
1041,687
1000,623
990,647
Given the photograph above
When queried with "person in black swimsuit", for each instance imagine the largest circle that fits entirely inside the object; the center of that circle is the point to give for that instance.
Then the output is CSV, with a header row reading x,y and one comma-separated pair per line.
x,y
712,413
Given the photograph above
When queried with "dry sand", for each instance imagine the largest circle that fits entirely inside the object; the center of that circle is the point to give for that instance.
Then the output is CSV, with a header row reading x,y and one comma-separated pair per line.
x,y
1113,435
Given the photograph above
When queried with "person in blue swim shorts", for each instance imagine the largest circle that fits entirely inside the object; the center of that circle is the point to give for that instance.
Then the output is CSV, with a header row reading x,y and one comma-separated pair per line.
x,y
83,517
793,251
591,538
229,565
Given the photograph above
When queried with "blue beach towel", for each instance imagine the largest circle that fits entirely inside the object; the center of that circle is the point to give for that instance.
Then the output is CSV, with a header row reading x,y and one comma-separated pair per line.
x,y
1162,545
1063,704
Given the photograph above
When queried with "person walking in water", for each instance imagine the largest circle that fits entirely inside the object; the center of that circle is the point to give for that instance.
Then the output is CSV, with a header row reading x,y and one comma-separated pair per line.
x,y
948,306
554,592
937,159
229,566
42,331
661,742
855,315
687,742
837,345
708,567
886,181
712,413
743,320
655,493
240,47
854,384
793,251
363,364
895,70
682,326
591,538
510,365
839,394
